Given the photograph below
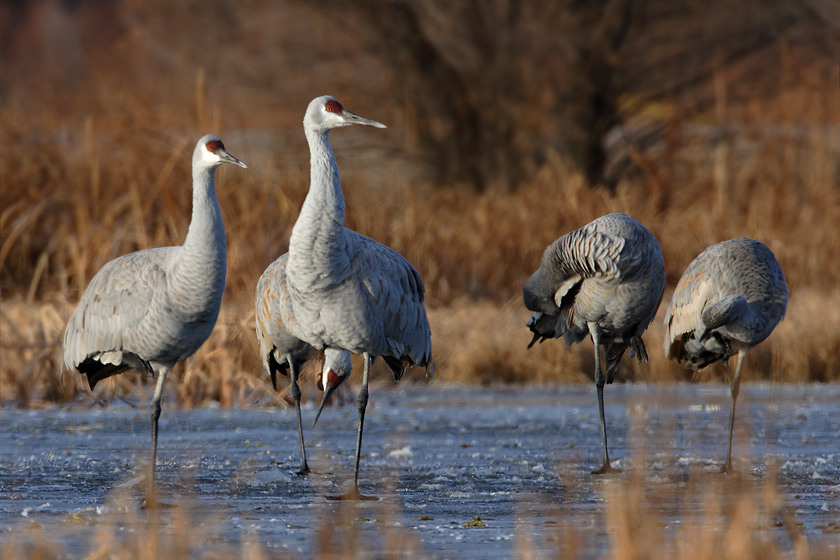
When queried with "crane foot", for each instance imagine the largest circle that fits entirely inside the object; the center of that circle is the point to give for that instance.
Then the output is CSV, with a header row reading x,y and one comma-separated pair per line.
x,y
355,495
728,469
606,468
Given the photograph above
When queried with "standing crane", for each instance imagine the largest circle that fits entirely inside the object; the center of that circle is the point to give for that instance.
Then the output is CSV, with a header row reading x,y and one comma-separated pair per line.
x,y
606,280
729,299
151,309
284,353
348,291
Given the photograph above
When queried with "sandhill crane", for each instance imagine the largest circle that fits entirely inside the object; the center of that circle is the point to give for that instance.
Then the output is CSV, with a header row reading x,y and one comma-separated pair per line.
x,y
605,279
337,368
347,290
729,299
151,309
284,353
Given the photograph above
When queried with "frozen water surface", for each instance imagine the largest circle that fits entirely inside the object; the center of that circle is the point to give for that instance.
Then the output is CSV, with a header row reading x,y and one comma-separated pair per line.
x,y
437,456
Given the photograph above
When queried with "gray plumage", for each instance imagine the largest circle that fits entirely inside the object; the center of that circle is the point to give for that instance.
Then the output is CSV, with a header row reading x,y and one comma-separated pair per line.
x,y
605,280
347,290
281,352
151,309
729,299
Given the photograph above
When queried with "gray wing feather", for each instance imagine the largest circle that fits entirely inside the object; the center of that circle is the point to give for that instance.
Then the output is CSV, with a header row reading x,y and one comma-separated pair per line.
x,y
395,297
273,305
583,254
694,291
110,318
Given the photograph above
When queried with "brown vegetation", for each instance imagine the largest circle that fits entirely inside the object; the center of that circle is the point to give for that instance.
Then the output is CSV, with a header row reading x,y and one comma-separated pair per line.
x,y
717,518
101,104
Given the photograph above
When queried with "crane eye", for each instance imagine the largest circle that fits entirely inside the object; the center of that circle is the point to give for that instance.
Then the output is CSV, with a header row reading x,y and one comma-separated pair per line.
x,y
333,107
214,145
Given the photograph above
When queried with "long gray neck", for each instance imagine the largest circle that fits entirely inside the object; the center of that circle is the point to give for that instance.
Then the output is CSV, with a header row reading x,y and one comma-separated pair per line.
x,y
199,273
317,246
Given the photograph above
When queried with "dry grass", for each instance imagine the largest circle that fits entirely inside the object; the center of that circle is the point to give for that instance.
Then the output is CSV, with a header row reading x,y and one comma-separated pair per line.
x,y
487,343
732,520
94,168
475,342
706,518
127,532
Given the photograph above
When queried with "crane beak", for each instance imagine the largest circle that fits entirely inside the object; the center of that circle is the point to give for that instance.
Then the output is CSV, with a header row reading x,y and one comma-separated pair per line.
x,y
228,158
353,118
324,400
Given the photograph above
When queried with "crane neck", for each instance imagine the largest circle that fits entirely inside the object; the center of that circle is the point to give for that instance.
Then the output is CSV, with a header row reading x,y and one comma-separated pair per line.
x,y
317,240
198,272
206,234
325,184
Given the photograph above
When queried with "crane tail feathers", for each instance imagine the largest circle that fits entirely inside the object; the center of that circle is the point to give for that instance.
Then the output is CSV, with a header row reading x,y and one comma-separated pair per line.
x,y
613,354
274,367
96,371
637,347
397,365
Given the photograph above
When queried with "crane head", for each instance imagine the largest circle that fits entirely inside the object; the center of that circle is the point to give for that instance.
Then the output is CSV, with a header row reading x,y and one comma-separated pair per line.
x,y
210,152
337,368
325,113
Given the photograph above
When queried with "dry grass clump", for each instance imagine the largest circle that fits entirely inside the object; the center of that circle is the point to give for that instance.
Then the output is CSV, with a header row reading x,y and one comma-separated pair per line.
x,y
31,369
706,517
718,519
487,343
126,532
475,342
30,358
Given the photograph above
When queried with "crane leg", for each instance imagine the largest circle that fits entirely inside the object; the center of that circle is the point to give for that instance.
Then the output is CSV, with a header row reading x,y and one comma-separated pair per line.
x,y
293,374
354,493
735,389
154,407
600,381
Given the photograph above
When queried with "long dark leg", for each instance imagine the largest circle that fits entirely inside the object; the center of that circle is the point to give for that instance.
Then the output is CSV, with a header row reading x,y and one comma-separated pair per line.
x,y
354,494
154,407
735,389
293,375
600,381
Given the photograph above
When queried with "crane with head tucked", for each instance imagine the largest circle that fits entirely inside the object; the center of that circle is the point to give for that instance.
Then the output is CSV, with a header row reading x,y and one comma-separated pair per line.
x,y
151,309
348,291
283,353
729,299
604,280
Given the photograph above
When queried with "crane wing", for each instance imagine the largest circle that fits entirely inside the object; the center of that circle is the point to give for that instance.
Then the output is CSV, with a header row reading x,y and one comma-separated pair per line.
x,y
273,310
685,313
394,295
115,303
582,254
263,299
